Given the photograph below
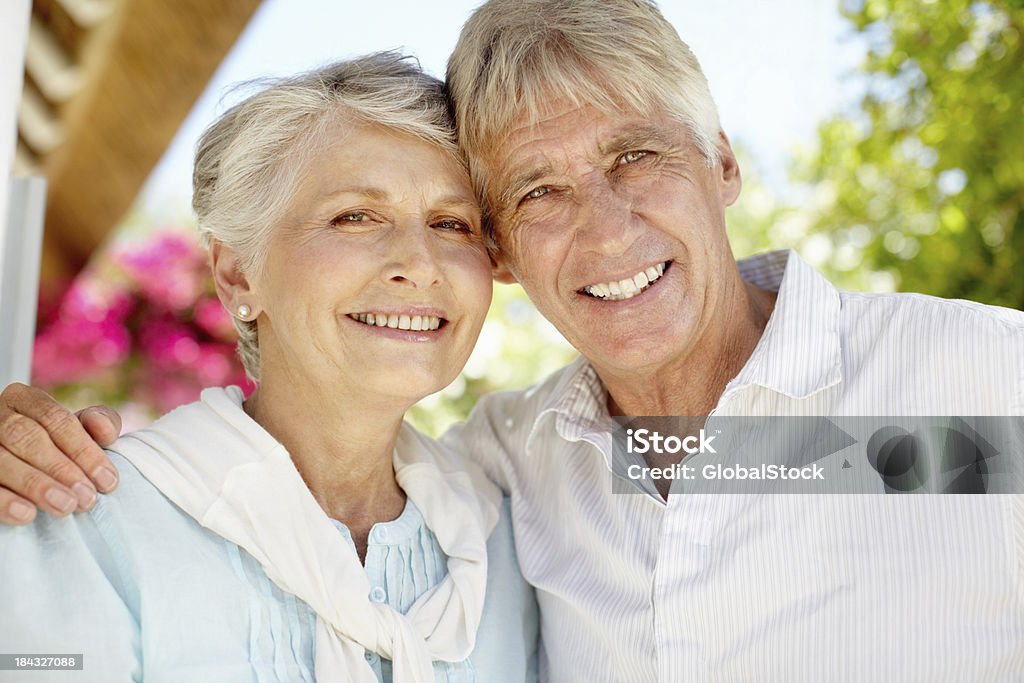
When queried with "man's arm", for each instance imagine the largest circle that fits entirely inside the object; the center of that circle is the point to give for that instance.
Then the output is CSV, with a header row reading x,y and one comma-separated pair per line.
x,y
52,458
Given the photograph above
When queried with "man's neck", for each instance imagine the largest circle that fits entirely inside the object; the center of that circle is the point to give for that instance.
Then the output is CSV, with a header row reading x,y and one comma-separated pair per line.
x,y
694,383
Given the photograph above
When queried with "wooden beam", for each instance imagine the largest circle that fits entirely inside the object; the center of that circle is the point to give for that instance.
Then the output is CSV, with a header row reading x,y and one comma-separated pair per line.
x,y
151,61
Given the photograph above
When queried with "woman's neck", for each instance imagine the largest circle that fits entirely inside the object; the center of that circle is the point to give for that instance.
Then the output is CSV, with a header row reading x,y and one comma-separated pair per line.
x,y
343,448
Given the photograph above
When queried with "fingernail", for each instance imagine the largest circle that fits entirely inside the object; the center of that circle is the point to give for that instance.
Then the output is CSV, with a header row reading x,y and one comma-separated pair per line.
x,y
61,501
105,478
107,412
21,512
86,495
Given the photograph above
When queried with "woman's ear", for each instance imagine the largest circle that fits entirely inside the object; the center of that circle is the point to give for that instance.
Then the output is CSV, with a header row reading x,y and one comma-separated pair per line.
x,y
232,284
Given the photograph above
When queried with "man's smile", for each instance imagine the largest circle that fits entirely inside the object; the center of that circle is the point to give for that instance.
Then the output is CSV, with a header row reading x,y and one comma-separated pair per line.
x,y
627,288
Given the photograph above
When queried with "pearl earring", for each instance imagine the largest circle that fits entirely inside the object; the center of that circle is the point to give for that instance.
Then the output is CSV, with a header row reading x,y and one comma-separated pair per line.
x,y
244,312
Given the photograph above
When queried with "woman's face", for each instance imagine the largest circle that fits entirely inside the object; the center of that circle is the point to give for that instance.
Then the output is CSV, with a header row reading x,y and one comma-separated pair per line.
x,y
377,280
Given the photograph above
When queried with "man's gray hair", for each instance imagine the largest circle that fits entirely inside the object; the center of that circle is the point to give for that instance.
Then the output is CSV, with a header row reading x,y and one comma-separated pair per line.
x,y
515,57
250,162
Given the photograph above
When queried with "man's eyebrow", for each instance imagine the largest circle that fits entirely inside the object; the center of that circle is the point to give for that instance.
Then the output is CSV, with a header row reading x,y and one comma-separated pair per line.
x,y
639,137
519,182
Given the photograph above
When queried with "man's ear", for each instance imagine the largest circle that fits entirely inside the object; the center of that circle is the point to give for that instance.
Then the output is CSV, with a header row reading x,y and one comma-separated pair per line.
x,y
731,182
499,271
232,284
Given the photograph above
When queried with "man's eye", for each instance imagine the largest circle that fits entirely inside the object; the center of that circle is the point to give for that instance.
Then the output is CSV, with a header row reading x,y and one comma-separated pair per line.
x,y
631,156
537,192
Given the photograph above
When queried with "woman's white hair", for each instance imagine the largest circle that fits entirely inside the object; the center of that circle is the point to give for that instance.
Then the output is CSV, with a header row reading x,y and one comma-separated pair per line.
x,y
515,57
250,160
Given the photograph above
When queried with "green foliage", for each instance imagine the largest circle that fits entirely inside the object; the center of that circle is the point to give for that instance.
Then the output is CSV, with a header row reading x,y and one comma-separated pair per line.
x,y
925,181
762,219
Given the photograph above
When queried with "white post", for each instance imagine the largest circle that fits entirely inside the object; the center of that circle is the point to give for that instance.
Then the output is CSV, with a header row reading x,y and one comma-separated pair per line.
x,y
14,19
19,279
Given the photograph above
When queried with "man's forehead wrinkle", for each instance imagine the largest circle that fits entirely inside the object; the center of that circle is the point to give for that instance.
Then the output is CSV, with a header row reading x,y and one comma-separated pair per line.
x,y
522,180
537,163
540,143
638,137
519,160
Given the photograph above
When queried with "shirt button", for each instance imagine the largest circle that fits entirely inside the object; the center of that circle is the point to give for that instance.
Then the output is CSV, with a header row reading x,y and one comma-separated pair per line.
x,y
378,594
380,535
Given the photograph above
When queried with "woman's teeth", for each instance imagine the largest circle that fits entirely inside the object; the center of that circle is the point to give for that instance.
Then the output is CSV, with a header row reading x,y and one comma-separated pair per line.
x,y
417,323
619,290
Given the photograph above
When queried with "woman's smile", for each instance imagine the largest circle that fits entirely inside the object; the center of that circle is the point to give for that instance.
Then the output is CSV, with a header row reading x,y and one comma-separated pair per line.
x,y
404,324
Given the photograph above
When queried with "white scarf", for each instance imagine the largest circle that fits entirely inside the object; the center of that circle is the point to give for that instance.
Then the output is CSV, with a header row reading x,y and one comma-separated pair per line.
x,y
219,466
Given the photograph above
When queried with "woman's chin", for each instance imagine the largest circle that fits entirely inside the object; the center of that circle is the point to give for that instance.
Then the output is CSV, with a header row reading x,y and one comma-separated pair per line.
x,y
407,386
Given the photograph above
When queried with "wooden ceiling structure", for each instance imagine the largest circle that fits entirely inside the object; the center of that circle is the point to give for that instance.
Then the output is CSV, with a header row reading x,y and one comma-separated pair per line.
x,y
107,85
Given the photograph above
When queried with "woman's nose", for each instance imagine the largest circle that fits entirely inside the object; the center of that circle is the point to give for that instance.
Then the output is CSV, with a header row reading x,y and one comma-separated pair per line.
x,y
413,259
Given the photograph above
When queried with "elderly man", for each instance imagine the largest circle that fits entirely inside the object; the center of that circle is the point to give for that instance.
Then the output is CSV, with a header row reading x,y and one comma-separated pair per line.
x,y
596,149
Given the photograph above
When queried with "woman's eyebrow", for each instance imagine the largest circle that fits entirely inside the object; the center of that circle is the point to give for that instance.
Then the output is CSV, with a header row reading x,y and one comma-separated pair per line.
x,y
377,194
361,190
456,201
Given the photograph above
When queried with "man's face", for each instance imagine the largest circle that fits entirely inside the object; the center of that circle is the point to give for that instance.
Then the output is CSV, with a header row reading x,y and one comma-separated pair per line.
x,y
615,227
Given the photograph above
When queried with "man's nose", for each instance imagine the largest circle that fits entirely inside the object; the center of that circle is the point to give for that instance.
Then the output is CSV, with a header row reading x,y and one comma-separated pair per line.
x,y
606,222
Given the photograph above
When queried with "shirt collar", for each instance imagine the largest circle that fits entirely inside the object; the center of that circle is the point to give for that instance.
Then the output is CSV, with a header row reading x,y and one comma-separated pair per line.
x,y
798,354
578,402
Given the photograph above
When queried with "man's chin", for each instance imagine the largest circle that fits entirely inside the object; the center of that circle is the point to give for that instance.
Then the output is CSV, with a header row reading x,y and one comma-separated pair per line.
x,y
633,359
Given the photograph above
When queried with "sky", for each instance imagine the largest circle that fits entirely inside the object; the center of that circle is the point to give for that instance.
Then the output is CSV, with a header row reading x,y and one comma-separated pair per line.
x,y
776,69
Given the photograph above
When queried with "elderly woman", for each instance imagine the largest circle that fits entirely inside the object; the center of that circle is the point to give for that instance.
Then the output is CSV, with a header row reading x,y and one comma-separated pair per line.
x,y
306,532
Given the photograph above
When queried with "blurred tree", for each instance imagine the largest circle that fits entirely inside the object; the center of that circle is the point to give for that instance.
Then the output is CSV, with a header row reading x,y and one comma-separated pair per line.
x,y
761,220
925,181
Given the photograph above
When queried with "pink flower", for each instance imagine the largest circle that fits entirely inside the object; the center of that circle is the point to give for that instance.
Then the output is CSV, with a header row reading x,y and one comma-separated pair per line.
x,y
84,340
211,317
142,324
170,270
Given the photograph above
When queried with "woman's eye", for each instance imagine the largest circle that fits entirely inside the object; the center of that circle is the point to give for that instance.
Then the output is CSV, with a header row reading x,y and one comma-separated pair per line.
x,y
537,192
452,224
631,156
351,217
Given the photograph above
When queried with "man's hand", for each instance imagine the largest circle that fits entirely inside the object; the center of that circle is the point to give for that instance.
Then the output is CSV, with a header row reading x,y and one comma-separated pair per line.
x,y
50,457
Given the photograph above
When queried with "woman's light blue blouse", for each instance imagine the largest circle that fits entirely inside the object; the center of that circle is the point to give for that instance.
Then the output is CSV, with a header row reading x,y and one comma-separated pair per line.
x,y
145,593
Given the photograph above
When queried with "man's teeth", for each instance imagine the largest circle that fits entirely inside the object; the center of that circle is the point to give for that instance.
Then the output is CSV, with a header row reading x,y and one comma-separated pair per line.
x,y
628,288
418,323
